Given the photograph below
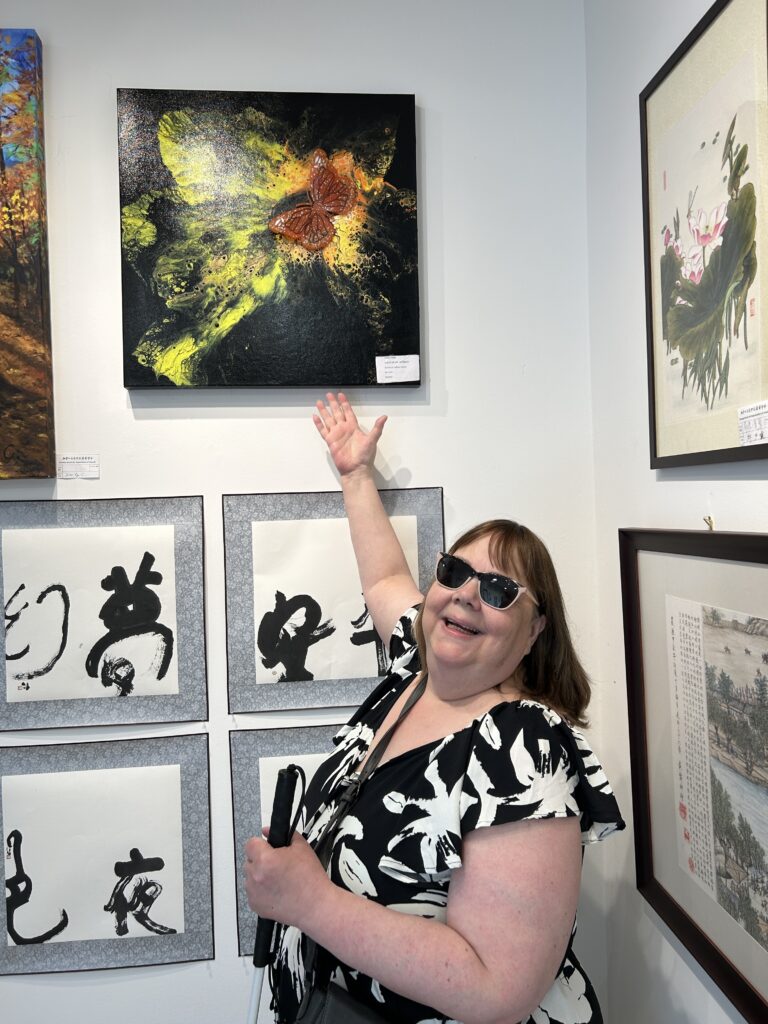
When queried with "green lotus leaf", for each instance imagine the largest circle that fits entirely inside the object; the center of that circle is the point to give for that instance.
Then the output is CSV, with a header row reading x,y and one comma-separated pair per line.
x,y
698,321
742,287
670,265
728,141
739,169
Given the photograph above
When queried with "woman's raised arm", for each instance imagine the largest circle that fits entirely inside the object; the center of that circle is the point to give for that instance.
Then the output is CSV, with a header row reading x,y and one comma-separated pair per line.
x,y
388,586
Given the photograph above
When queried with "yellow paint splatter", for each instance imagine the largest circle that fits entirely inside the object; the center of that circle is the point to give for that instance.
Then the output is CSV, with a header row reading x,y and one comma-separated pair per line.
x,y
180,359
137,230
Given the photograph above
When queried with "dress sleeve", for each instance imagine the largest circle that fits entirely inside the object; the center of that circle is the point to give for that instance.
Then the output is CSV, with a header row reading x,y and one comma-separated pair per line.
x,y
403,663
527,763
403,649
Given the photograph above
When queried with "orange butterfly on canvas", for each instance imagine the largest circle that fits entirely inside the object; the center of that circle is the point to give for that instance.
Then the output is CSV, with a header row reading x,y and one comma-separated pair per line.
x,y
331,194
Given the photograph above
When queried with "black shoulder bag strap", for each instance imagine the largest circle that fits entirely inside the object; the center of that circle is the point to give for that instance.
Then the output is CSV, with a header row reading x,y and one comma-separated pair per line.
x,y
324,846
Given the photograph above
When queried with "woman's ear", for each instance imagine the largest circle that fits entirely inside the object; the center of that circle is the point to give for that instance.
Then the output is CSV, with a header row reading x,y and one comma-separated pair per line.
x,y
537,625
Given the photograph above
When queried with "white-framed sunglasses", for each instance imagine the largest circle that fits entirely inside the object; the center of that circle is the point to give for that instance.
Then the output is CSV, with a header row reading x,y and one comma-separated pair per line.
x,y
496,590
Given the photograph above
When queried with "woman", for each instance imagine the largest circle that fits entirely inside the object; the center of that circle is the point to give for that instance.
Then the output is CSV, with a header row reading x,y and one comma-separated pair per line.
x,y
430,915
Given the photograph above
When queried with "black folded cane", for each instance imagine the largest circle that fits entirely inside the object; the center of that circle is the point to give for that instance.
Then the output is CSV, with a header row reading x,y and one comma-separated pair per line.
x,y
280,832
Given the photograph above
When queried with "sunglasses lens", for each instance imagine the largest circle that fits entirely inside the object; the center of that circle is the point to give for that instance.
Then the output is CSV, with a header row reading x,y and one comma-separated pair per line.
x,y
498,593
452,572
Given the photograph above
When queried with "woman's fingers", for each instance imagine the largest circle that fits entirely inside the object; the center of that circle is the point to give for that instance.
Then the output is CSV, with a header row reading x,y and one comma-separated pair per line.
x,y
336,410
345,409
318,421
377,428
324,418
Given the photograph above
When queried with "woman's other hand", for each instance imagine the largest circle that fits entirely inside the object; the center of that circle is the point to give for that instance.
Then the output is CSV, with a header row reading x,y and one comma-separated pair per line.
x,y
350,447
282,883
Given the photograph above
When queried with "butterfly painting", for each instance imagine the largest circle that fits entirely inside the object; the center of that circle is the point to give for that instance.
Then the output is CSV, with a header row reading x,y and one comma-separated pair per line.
x,y
330,194
268,239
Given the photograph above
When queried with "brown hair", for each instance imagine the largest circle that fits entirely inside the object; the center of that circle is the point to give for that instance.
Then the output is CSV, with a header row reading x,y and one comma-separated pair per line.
x,y
551,671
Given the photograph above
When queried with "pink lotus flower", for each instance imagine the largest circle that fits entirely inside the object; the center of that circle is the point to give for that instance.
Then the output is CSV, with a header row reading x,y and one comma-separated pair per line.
x,y
708,230
693,264
677,245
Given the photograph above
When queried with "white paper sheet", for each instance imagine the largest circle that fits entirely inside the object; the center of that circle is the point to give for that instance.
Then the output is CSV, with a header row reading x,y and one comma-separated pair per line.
x,y
74,561
314,558
75,827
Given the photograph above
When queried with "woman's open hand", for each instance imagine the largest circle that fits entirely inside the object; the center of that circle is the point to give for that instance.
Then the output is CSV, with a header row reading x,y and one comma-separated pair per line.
x,y
350,447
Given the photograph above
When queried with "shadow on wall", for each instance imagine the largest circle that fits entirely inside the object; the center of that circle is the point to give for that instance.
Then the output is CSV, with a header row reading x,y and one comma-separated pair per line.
x,y
649,969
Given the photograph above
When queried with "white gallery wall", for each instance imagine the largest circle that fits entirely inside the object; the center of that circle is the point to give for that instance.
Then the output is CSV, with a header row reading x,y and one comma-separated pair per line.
x,y
503,421
651,977
535,396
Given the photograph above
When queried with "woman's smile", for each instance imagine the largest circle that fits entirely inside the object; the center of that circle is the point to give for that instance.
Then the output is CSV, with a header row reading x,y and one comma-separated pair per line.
x,y
461,627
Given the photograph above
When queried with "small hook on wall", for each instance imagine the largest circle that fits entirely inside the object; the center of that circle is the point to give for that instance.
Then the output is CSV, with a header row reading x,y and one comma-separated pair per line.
x,y
710,522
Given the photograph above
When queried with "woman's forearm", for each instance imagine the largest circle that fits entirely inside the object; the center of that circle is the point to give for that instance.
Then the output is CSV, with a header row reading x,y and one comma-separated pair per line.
x,y
377,549
422,959
388,586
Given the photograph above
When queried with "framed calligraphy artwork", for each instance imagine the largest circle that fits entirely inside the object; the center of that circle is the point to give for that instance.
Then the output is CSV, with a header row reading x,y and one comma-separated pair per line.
x,y
298,632
704,119
696,638
268,239
96,874
26,376
102,599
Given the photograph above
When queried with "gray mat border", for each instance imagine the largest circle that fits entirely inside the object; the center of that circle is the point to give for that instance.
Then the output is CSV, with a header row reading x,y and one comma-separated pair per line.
x,y
246,747
239,510
185,514
196,942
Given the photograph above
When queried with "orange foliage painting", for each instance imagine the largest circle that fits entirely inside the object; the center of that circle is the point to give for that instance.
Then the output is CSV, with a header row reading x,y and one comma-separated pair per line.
x,y
26,386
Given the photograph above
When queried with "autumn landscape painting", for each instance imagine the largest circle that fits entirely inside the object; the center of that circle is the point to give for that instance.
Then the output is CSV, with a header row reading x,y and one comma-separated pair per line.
x,y
26,390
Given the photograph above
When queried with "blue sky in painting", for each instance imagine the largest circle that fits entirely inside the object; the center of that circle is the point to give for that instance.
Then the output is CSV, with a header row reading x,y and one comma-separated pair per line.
x,y
11,40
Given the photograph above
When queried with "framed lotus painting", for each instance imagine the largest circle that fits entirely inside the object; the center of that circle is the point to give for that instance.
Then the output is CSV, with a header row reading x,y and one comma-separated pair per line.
x,y
268,239
704,128
26,379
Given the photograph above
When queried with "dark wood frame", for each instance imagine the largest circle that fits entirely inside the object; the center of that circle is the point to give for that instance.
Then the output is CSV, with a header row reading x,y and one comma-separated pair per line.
x,y
734,454
738,547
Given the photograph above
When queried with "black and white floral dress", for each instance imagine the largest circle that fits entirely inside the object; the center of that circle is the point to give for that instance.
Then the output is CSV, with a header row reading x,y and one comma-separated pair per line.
x,y
403,838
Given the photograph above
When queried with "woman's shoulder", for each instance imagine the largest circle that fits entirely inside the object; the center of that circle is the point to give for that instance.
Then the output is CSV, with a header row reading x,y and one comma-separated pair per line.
x,y
549,765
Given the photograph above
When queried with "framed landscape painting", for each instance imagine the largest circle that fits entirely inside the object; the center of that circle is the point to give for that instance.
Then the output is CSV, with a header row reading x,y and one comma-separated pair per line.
x,y
26,381
704,133
696,640
268,239
298,630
